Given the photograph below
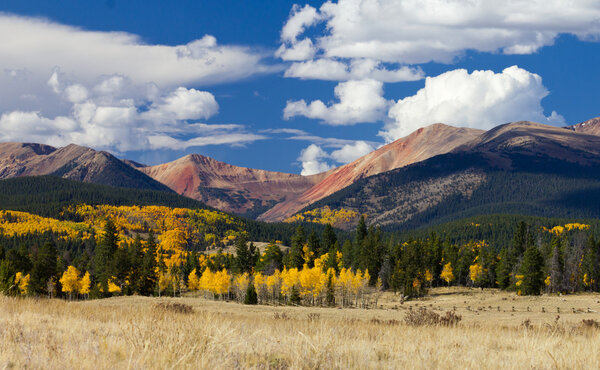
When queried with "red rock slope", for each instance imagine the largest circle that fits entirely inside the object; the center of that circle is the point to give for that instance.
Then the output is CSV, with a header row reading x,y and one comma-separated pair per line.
x,y
422,144
227,187
71,162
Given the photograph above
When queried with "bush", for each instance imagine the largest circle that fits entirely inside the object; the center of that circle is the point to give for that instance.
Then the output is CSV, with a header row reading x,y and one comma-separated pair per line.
x,y
424,317
174,307
251,297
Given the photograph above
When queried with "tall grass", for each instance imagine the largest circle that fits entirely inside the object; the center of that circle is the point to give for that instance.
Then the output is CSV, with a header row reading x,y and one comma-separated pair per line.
x,y
139,332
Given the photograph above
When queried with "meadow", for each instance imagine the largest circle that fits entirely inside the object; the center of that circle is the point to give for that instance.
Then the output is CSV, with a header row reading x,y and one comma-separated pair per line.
x,y
498,330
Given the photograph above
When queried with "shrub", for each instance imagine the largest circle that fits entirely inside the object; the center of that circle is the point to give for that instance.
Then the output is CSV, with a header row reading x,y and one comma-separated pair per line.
x,y
424,317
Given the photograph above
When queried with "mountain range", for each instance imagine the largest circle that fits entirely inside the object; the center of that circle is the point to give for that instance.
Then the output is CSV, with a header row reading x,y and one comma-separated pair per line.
x,y
438,172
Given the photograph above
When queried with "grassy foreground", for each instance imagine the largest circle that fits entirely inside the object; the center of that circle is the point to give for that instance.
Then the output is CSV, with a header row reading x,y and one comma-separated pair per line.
x,y
140,332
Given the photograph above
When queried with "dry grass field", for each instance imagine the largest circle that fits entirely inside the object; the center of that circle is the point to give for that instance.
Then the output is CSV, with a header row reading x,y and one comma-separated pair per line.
x,y
139,332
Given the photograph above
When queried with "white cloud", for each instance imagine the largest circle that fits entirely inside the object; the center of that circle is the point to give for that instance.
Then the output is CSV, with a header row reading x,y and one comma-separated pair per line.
x,y
413,31
481,99
85,55
350,152
298,51
335,70
313,160
299,19
110,90
359,101
316,160
99,118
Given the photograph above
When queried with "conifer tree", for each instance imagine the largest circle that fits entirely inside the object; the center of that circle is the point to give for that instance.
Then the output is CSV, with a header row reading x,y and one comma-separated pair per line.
x,y
44,268
532,269
104,254
504,269
148,277
556,266
294,258
136,262
328,240
251,296
244,255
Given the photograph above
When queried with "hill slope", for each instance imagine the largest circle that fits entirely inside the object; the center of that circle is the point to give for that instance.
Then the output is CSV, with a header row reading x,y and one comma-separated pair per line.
x,y
240,190
71,162
518,168
422,144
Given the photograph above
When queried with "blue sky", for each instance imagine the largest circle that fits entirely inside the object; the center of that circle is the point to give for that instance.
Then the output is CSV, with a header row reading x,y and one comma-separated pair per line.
x,y
131,77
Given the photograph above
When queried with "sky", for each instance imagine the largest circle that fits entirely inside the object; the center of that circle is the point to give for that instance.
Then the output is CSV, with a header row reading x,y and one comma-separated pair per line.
x,y
297,87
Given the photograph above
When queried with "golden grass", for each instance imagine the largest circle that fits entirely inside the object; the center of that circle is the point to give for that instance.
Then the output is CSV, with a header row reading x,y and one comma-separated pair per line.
x,y
140,332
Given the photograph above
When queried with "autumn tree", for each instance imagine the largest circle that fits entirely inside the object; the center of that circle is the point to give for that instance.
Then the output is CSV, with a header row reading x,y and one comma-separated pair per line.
x,y
447,275
70,281
85,284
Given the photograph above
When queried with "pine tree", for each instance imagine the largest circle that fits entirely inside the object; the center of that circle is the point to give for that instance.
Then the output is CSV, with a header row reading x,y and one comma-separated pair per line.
x,y
44,268
251,296
314,245
244,255
329,239
104,254
148,277
504,269
7,275
294,258
532,269
556,267
136,262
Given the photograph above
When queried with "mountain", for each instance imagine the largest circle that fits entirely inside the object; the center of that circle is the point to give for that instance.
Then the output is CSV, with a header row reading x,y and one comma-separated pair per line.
x,y
240,190
71,162
518,168
422,144
591,127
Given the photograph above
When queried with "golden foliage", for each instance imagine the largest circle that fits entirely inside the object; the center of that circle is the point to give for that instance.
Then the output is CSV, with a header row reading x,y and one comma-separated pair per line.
x,y
70,280
325,215
22,281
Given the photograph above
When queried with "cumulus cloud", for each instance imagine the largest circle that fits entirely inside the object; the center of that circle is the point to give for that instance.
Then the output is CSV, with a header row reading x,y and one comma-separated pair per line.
x,y
99,118
411,31
481,99
313,160
350,152
111,90
335,70
359,101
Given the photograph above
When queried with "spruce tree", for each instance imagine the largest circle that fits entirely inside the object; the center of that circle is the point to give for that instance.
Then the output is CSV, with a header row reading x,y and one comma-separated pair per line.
x,y
328,240
556,267
148,277
136,261
244,255
44,268
504,269
532,269
104,254
251,296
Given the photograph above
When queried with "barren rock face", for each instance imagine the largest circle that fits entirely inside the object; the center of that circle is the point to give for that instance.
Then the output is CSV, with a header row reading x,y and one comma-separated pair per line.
x,y
71,162
229,188
590,127
418,146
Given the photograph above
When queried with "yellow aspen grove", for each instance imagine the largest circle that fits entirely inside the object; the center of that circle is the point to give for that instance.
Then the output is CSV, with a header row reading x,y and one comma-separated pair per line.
x,y
222,282
193,281
274,284
447,273
475,272
260,286
289,279
22,281
70,281
311,282
344,283
84,284
112,287
240,284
